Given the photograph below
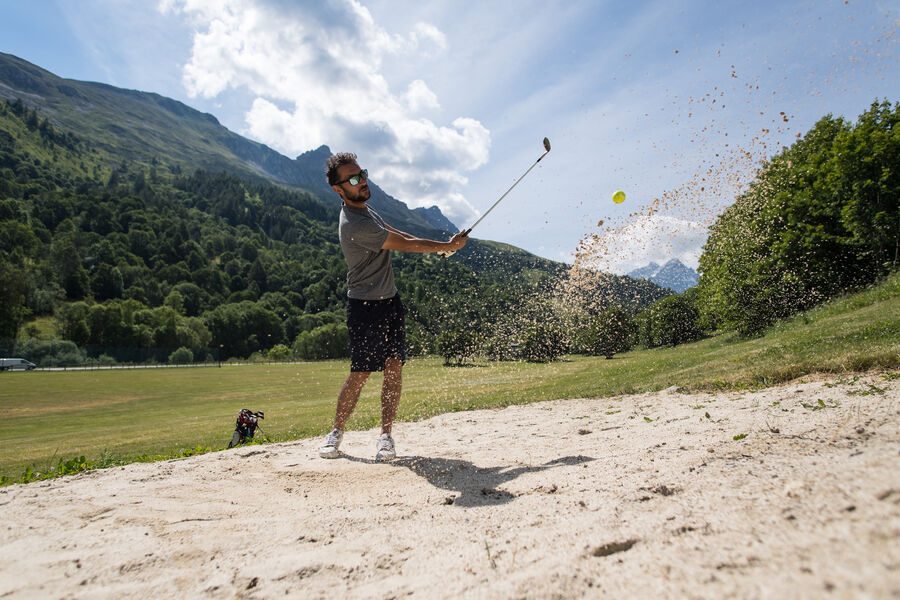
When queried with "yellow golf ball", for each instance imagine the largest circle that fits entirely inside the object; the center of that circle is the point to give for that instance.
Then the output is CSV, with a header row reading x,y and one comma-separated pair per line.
x,y
619,197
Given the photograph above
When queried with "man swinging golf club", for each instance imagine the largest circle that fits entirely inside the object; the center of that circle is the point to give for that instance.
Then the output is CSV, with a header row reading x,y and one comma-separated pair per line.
x,y
375,315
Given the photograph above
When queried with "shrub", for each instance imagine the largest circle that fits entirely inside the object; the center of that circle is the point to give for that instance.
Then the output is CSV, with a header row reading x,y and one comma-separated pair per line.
x,y
52,353
456,345
542,341
535,332
106,360
182,356
279,352
608,333
327,341
671,321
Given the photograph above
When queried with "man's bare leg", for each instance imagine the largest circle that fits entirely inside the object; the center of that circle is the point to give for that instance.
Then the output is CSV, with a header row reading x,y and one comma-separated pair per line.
x,y
390,392
348,397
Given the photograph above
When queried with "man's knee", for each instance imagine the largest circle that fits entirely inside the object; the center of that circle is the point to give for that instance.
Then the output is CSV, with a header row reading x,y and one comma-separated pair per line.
x,y
357,378
393,370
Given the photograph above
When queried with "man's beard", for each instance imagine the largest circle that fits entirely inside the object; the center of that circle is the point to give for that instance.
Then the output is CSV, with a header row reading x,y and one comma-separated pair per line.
x,y
364,194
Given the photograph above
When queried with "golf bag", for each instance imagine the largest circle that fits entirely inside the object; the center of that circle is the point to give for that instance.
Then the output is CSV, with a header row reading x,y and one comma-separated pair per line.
x,y
245,426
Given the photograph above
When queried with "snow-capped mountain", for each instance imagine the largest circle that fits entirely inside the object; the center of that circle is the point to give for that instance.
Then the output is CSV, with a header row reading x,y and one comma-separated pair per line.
x,y
673,275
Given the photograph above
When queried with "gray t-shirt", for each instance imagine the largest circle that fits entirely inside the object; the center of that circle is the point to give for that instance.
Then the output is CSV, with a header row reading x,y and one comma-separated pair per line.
x,y
369,273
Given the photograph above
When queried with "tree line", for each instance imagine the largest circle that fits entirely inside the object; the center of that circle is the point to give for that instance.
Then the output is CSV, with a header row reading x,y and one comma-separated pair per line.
x,y
137,261
820,219
140,261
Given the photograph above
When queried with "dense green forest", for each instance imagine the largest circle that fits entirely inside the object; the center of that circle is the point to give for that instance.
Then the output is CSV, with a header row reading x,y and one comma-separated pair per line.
x,y
135,261
105,258
820,219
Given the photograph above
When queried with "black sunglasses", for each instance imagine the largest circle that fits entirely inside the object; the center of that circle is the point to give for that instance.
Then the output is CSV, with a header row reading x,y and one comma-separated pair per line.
x,y
355,179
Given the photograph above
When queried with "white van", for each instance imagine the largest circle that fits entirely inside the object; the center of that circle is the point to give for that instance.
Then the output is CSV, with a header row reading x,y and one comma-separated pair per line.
x,y
16,364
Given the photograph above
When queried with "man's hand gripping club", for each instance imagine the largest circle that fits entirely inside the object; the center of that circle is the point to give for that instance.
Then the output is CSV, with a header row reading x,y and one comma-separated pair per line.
x,y
456,243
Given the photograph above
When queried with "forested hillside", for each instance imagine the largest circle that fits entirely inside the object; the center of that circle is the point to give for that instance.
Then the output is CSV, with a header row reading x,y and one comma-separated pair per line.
x,y
115,247
111,259
821,218
135,228
143,128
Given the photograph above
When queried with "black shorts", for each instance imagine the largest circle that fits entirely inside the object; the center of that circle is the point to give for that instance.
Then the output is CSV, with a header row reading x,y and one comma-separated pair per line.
x,y
377,332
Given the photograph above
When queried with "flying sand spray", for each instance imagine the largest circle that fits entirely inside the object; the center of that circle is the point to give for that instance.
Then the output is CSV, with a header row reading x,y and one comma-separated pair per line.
x,y
450,253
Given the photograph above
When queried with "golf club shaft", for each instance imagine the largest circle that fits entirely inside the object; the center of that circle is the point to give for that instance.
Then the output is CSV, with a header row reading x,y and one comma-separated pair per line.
x,y
505,193
450,253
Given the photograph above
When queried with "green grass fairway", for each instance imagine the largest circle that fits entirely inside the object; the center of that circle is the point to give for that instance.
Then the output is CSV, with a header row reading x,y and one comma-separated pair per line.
x,y
117,416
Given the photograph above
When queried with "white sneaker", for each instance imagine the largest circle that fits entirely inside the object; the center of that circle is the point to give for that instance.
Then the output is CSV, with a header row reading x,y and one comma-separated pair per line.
x,y
332,442
385,448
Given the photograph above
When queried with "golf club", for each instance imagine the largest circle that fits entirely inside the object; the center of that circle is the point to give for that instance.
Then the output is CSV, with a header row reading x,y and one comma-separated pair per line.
x,y
469,230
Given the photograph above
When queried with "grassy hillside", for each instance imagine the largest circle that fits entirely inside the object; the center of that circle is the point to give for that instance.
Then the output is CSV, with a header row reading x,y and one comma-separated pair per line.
x,y
146,128
71,229
128,124
110,196
117,416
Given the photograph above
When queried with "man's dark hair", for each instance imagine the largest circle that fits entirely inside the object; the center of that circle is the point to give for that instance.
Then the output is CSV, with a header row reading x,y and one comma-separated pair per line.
x,y
334,161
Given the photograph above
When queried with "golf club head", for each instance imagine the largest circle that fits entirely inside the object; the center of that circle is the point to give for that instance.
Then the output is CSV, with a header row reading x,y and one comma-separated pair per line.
x,y
547,144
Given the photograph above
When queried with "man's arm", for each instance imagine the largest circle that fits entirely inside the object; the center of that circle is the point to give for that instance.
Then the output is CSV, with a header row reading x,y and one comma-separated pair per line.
x,y
398,241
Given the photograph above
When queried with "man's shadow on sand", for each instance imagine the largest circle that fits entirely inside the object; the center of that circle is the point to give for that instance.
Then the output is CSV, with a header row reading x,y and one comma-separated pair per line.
x,y
476,486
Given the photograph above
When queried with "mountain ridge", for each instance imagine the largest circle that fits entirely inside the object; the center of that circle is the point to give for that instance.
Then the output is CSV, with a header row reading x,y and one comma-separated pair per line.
x,y
155,125
132,221
673,275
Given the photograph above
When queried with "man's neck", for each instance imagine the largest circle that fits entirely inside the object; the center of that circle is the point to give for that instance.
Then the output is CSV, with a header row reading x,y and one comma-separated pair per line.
x,y
353,204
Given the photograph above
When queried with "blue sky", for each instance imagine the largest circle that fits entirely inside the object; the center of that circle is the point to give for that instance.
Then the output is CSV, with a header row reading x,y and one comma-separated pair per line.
x,y
446,103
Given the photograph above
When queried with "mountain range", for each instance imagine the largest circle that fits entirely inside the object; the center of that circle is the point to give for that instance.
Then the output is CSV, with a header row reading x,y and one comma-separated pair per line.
x,y
147,128
673,275
143,126
135,222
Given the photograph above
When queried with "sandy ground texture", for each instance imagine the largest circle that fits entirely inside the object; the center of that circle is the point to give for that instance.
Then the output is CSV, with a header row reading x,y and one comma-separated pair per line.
x,y
635,496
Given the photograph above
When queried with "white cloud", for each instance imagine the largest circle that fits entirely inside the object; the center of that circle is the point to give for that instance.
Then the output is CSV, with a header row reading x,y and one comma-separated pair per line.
x,y
430,33
420,97
645,239
315,70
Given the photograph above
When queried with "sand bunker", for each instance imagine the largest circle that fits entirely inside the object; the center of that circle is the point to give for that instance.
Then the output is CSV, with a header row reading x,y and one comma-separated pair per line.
x,y
648,495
